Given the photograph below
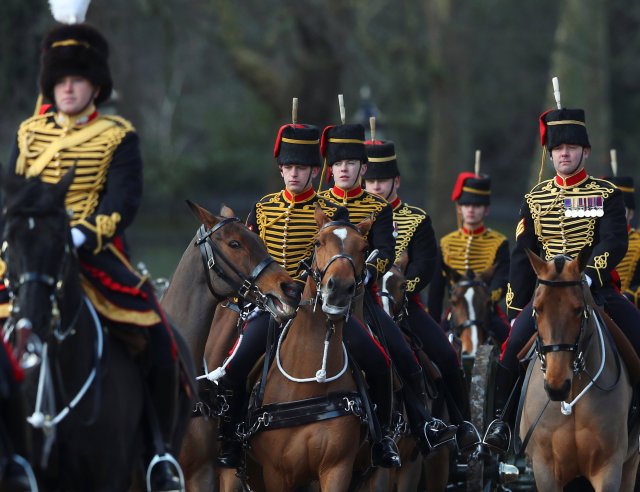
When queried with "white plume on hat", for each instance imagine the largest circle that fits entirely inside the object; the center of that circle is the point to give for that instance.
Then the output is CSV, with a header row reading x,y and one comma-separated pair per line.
x,y
69,11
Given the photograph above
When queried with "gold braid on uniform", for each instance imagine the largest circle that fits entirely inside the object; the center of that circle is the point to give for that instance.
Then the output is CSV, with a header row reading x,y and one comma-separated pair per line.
x,y
106,226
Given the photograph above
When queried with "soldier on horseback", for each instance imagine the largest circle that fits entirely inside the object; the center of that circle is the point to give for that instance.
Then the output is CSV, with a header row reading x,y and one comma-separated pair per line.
x,y
285,222
473,247
344,150
628,269
561,216
415,236
103,200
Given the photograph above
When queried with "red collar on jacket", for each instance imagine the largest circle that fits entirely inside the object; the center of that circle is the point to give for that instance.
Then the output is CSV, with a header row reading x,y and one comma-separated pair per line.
x,y
475,232
340,193
301,197
396,203
573,180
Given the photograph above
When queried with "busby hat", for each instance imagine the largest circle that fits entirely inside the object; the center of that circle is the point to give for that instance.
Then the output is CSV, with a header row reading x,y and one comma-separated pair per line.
x,y
75,49
298,144
472,189
382,164
563,126
625,184
343,142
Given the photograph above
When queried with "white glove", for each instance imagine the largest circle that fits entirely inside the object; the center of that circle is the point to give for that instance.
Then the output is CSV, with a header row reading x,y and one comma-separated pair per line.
x,y
588,279
78,237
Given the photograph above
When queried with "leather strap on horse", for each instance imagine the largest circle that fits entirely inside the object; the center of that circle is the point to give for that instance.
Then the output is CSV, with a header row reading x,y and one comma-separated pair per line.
x,y
268,357
518,446
372,420
301,412
624,346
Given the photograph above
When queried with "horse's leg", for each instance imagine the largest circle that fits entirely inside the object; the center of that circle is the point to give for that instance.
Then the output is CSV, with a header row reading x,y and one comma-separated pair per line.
x,y
629,473
408,476
273,481
609,477
198,454
229,481
336,478
544,477
437,469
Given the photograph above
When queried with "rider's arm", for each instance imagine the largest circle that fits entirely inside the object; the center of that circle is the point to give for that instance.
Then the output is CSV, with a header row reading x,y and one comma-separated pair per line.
x,y
498,284
436,290
613,241
381,238
423,253
120,199
522,278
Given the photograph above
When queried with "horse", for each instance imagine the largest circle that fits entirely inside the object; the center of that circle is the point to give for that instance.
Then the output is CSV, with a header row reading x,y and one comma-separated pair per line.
x,y
432,470
470,302
576,360
315,449
224,258
84,387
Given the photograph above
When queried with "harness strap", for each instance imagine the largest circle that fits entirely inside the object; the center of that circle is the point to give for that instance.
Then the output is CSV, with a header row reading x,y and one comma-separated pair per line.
x,y
519,447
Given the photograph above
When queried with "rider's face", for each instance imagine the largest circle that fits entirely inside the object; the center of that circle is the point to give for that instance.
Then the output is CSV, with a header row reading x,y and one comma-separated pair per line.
x,y
296,177
346,173
73,94
386,188
473,215
568,159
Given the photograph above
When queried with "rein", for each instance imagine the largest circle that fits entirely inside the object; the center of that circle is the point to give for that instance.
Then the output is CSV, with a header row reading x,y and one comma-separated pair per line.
x,y
246,288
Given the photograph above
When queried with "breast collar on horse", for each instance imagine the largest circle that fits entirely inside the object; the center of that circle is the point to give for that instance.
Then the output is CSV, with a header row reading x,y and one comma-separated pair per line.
x,y
318,274
246,287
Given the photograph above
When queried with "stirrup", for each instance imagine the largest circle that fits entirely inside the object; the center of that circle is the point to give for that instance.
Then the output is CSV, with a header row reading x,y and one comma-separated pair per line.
x,y
469,427
436,425
166,457
28,471
486,434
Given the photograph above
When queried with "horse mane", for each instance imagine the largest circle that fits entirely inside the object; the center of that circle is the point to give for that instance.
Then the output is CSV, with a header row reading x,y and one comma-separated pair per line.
x,y
29,197
559,262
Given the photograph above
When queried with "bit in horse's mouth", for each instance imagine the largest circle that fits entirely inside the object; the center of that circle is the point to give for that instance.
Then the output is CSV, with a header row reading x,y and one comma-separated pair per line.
x,y
334,311
285,311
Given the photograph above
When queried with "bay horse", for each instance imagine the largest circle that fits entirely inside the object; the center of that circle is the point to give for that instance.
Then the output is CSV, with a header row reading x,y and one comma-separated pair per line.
x,y
323,450
431,470
84,388
223,258
470,303
578,363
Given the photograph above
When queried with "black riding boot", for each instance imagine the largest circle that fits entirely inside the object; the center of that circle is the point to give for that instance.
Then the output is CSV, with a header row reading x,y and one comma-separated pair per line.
x,y
384,452
230,455
16,472
498,435
163,386
427,429
467,436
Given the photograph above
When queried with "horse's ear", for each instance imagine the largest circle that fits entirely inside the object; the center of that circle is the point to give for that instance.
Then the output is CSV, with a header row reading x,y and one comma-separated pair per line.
x,y
365,226
320,216
403,261
583,257
227,212
452,273
203,215
537,263
62,187
487,275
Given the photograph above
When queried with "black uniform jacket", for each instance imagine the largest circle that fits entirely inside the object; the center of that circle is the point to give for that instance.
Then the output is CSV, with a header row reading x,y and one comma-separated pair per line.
x,y
561,217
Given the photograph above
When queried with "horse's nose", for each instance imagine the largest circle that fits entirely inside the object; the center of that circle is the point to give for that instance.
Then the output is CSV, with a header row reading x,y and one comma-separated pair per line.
x,y
558,394
331,284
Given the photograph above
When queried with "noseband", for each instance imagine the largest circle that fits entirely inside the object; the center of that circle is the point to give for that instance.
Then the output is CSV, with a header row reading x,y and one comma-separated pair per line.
x,y
212,257
317,274
467,284
542,350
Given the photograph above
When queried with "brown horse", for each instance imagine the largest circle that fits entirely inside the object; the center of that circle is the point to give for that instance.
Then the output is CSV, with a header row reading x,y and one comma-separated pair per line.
x,y
588,436
323,450
470,302
432,470
223,258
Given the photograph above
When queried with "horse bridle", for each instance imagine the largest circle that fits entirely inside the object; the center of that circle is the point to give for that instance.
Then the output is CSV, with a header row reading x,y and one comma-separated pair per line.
x,y
55,284
317,274
542,350
459,328
403,310
246,287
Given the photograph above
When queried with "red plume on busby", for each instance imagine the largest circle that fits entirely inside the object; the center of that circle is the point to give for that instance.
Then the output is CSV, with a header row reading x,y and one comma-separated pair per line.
x,y
472,189
75,49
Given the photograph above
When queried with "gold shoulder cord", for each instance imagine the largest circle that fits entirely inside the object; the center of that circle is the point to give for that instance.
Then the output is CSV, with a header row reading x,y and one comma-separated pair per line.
x,y
537,209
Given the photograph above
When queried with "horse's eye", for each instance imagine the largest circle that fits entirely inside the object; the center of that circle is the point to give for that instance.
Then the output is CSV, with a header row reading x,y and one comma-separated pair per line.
x,y
579,311
234,244
316,243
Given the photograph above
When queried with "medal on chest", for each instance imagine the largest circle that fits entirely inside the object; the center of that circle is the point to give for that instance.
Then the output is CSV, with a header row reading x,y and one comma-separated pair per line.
x,y
395,229
584,206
